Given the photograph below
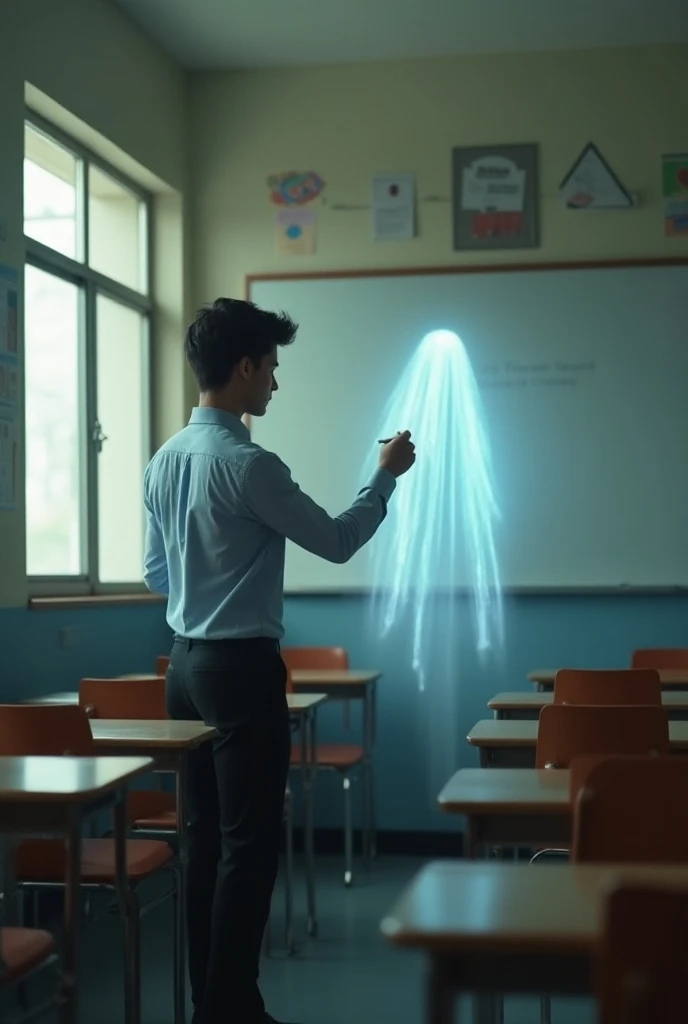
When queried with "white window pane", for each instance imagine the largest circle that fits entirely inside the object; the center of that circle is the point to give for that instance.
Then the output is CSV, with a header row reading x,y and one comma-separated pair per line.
x,y
115,230
50,193
123,416
53,456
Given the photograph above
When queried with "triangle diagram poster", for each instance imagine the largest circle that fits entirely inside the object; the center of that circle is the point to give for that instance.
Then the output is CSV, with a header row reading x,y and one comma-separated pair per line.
x,y
592,185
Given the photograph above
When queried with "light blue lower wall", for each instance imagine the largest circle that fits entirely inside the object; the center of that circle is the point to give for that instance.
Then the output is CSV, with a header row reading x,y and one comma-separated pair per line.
x,y
420,737
108,641
414,755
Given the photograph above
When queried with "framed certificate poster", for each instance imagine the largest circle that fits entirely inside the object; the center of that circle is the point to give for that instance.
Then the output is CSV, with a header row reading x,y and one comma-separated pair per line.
x,y
495,194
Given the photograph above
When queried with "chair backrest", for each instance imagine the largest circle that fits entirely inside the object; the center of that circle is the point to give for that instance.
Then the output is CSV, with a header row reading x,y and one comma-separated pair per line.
x,y
566,731
161,663
642,959
44,729
660,657
123,698
633,810
325,658
619,686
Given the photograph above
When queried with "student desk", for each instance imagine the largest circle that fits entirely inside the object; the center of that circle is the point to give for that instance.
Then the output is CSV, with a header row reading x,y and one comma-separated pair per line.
x,y
351,684
527,705
302,708
168,743
511,744
54,794
489,928
505,807
544,678
156,738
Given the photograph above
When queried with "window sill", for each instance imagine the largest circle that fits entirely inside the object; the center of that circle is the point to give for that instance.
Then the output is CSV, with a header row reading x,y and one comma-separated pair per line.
x,y
92,601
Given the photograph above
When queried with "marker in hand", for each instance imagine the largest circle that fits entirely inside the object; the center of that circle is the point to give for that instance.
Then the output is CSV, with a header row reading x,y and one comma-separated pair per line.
x,y
398,453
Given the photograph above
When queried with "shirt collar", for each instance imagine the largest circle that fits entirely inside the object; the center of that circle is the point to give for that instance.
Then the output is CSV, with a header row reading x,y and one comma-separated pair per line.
x,y
219,418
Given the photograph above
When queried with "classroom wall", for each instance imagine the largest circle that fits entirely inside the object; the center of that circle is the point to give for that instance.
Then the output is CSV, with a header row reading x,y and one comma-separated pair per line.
x,y
89,59
346,122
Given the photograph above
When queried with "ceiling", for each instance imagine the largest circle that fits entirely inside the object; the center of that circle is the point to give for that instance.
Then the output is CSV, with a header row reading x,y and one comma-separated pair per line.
x,y
215,34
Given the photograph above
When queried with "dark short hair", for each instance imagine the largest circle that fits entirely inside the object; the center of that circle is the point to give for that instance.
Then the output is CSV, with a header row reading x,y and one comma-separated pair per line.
x,y
229,330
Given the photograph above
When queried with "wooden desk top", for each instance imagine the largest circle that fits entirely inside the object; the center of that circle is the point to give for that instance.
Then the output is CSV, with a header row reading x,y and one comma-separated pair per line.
x,y
532,700
300,702
156,734
506,791
64,697
340,677
65,779
668,677
296,702
140,675
455,906
491,732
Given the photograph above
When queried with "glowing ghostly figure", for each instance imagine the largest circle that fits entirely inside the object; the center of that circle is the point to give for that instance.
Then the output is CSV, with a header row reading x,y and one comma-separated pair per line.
x,y
442,518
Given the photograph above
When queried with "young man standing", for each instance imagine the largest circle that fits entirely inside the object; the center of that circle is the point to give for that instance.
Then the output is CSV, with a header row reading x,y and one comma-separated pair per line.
x,y
219,508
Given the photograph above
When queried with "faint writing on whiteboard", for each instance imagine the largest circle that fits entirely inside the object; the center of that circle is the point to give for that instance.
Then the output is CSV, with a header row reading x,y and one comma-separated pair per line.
x,y
513,375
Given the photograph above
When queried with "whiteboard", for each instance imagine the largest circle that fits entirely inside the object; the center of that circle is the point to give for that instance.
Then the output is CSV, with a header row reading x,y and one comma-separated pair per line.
x,y
583,373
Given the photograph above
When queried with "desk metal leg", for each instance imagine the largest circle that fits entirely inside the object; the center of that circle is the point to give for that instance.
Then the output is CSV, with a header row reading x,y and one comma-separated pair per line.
x,y
9,911
180,900
369,832
308,772
439,996
121,884
69,1010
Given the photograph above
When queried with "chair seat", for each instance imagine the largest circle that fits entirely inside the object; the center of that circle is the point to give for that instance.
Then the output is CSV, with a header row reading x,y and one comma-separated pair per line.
x,y
44,860
152,809
21,950
167,821
333,755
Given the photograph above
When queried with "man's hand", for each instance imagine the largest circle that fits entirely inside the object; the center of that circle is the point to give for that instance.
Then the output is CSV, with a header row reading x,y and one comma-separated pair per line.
x,y
398,455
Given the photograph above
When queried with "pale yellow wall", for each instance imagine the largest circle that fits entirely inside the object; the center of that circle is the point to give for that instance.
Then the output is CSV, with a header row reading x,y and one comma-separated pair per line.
x,y
88,57
347,122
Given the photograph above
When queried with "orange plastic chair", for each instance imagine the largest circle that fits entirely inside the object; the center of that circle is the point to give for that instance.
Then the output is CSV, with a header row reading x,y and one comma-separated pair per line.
x,y
567,730
344,758
642,959
24,953
61,729
147,810
633,810
161,663
660,657
124,698
620,686
324,658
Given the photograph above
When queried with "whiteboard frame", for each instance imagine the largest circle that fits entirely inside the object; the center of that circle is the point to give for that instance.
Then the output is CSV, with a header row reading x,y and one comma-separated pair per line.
x,y
479,268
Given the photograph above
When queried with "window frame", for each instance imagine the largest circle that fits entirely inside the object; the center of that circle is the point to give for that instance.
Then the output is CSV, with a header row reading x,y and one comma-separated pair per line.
x,y
91,284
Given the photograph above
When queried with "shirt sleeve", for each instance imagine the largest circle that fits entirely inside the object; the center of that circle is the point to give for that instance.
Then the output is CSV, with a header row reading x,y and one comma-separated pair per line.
x,y
274,498
155,559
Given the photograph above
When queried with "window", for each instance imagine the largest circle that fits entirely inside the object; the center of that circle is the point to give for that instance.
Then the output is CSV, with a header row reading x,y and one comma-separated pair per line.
x,y
87,341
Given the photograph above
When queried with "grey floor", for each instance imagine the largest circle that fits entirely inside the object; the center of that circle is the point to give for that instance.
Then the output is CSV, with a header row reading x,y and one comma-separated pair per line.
x,y
347,975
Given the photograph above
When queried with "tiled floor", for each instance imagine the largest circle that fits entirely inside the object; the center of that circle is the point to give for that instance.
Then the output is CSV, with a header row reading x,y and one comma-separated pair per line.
x,y
348,975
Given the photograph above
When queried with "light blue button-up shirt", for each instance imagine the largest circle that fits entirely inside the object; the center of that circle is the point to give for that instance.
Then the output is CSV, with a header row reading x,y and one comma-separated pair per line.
x,y
218,510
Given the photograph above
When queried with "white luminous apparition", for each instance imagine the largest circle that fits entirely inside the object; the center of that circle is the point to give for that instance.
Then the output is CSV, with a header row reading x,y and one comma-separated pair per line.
x,y
440,534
